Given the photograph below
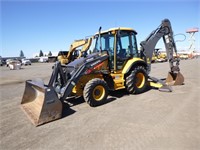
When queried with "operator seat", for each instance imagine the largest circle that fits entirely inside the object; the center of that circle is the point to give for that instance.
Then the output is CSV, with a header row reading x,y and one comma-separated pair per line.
x,y
122,53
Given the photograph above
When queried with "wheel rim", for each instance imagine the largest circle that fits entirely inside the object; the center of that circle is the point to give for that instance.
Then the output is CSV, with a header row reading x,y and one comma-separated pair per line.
x,y
98,93
140,80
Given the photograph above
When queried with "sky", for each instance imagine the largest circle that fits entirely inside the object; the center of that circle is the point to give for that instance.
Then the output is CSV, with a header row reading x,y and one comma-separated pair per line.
x,y
52,25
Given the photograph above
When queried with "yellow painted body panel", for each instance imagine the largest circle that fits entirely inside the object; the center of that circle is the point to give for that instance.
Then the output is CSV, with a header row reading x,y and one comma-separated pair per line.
x,y
129,63
118,76
118,79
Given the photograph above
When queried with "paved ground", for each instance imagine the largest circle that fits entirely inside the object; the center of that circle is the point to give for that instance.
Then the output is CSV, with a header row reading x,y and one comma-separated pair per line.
x,y
150,121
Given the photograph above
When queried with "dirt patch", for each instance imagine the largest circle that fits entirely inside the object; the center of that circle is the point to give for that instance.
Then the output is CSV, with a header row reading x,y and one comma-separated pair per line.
x,y
152,120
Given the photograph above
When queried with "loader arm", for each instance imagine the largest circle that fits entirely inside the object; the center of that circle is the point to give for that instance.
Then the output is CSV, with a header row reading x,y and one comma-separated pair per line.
x,y
73,71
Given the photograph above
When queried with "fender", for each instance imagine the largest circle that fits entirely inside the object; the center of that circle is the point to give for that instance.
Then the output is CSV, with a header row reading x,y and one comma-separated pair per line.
x,y
133,62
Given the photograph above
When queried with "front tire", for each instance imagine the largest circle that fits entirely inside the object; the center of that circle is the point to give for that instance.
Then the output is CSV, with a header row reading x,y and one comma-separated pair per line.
x,y
95,92
136,82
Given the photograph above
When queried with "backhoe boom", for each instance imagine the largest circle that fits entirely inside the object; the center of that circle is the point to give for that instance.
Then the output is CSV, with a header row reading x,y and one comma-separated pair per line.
x,y
148,45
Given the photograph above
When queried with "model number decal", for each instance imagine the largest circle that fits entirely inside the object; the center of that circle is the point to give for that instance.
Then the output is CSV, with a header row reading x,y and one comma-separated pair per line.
x,y
95,63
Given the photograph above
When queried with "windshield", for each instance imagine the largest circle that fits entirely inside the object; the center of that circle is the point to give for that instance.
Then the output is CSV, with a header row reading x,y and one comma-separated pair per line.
x,y
127,41
107,42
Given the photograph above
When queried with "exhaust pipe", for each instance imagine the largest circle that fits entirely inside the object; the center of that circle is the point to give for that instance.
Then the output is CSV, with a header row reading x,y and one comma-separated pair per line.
x,y
40,103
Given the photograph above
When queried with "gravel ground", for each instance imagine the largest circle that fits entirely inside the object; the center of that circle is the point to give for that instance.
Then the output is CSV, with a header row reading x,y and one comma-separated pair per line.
x,y
153,120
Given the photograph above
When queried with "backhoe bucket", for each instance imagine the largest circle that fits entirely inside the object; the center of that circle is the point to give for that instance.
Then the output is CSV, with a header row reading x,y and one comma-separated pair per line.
x,y
174,79
41,103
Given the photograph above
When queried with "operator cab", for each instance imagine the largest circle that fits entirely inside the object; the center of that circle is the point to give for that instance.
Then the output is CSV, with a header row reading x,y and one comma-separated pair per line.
x,y
121,45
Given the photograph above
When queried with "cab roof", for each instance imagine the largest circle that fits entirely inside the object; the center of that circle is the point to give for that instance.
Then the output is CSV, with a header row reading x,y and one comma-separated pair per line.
x,y
117,28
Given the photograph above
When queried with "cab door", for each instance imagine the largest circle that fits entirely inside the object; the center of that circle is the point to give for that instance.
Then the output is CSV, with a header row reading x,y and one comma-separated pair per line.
x,y
126,48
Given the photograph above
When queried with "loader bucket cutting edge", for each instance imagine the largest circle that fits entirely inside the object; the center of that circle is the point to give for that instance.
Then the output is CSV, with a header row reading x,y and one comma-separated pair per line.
x,y
40,103
174,79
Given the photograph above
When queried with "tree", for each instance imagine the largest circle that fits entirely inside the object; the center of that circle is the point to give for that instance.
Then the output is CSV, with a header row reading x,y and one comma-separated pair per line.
x,y
21,54
49,54
41,53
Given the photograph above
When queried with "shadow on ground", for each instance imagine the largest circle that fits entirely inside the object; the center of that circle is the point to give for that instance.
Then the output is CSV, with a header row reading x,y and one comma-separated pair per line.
x,y
113,95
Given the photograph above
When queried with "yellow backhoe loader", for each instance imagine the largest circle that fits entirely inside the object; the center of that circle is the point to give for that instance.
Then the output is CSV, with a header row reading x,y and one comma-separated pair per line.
x,y
115,64
66,57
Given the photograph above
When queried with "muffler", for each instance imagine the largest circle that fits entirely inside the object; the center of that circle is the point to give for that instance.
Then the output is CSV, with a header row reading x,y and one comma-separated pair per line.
x,y
40,103
174,78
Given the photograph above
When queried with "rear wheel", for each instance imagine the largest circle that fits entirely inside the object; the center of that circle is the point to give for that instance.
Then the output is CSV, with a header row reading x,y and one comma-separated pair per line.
x,y
136,82
95,92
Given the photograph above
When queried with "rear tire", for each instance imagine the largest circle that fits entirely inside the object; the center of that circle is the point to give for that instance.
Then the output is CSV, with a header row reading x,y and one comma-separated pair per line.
x,y
136,82
95,92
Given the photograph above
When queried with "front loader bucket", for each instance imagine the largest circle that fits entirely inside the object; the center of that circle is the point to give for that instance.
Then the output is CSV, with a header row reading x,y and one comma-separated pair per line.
x,y
174,79
40,103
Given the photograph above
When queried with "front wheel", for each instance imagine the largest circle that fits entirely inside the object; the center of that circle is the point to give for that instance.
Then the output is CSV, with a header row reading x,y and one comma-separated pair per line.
x,y
136,82
95,92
